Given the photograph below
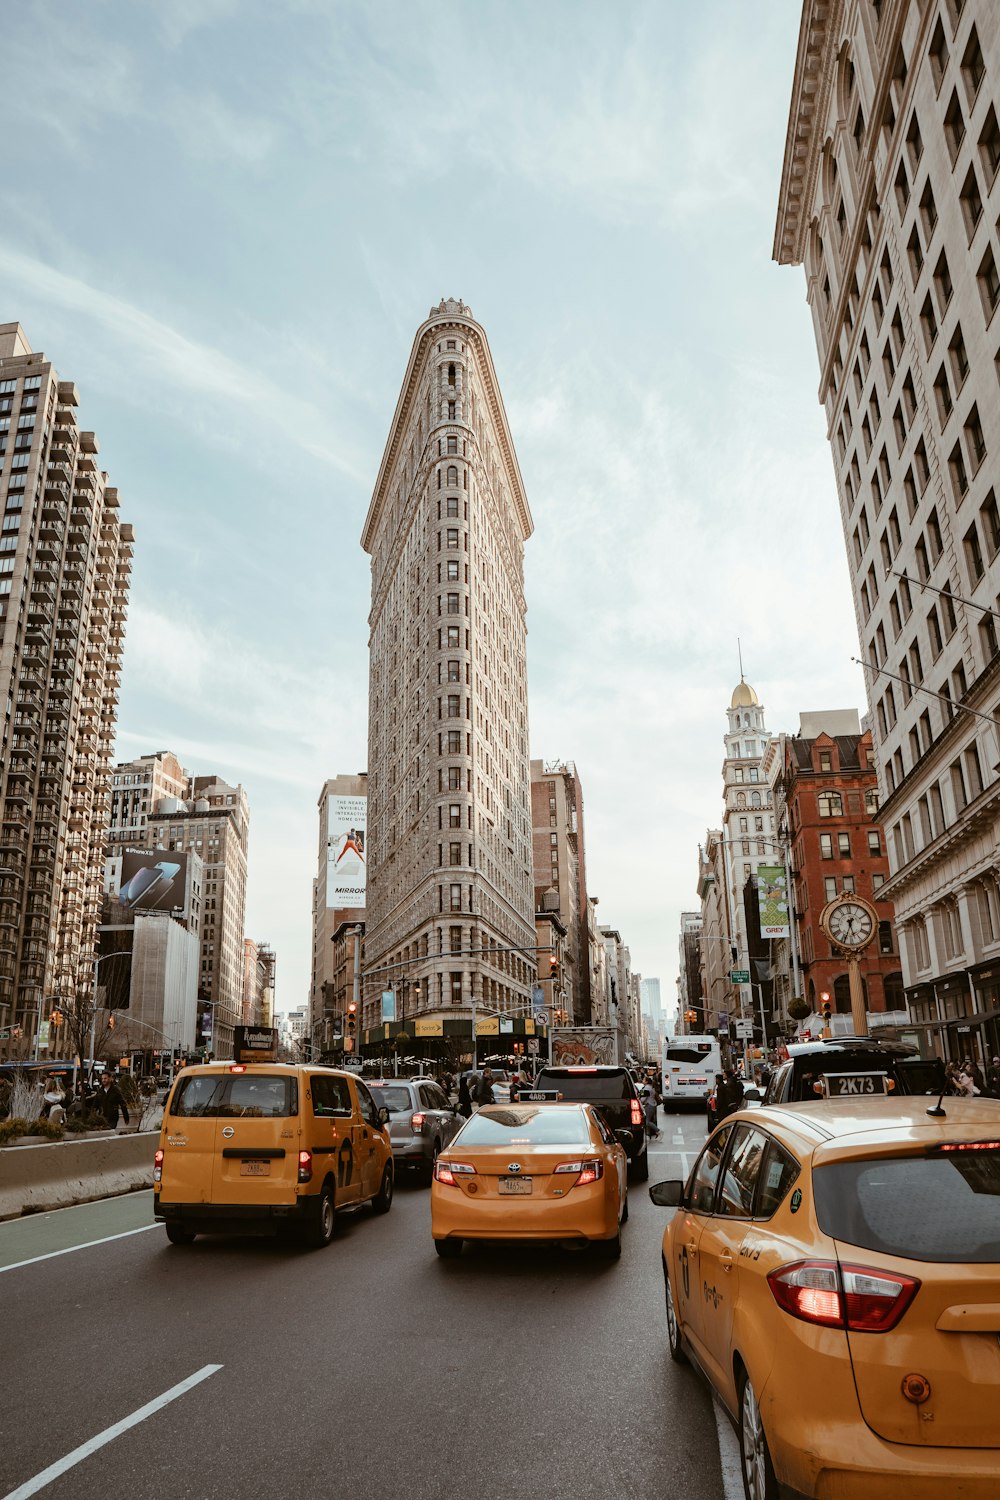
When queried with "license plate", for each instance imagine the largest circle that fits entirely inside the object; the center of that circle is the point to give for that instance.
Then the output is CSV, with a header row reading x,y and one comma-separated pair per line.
x,y
515,1185
255,1169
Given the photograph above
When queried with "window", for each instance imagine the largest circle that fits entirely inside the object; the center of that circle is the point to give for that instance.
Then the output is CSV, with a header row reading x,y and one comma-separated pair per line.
x,y
699,1194
453,445
989,283
455,898
989,145
452,536
454,742
830,887
914,143
454,854
826,846
454,778
829,804
739,1181
844,845
942,282
971,202
973,67
454,634
938,54
928,323
942,394
974,438
451,570
958,357
954,126
453,606
928,211
826,762
847,884
902,187
885,937
452,505
454,705
454,815
959,477
991,523
454,671
915,254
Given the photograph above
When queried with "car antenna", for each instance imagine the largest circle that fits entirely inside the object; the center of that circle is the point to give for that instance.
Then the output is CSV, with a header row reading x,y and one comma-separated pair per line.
x,y
939,1112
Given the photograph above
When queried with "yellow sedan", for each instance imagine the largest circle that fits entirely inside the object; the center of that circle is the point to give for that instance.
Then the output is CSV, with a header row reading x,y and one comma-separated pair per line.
x,y
834,1269
531,1172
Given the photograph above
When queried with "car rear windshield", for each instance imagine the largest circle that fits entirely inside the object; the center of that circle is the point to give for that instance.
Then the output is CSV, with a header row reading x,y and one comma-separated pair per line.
x,y
215,1096
526,1127
396,1100
604,1088
933,1208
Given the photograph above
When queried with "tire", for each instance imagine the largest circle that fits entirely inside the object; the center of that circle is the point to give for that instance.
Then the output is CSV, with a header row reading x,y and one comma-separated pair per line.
x,y
427,1171
759,1482
448,1249
321,1229
382,1201
610,1249
639,1168
178,1235
675,1342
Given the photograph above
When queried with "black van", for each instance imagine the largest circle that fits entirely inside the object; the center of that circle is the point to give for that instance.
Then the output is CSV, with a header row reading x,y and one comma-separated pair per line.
x,y
809,1062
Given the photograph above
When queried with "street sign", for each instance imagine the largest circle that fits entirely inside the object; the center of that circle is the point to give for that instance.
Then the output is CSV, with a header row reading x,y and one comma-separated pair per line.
x,y
539,1018
532,1044
739,976
744,1029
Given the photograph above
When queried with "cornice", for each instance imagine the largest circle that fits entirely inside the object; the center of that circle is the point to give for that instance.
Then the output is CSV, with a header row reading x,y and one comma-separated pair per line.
x,y
450,315
811,85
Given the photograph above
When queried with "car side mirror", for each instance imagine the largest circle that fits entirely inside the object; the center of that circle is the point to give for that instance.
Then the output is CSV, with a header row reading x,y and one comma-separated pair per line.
x,y
667,1194
383,1116
623,1137
752,1094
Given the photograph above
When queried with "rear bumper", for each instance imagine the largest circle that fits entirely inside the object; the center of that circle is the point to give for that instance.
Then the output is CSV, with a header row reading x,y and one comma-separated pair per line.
x,y
415,1151
457,1216
206,1218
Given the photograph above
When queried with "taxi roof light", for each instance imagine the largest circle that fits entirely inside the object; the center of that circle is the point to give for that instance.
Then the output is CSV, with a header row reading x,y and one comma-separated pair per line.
x,y
861,1299
237,1067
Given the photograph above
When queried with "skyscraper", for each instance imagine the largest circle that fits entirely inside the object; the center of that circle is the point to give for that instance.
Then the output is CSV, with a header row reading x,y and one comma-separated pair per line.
x,y
560,866
449,901
65,563
889,199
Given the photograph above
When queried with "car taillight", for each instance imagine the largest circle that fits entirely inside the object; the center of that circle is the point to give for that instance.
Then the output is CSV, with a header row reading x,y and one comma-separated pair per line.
x,y
158,1166
445,1171
861,1299
237,1068
305,1166
636,1112
417,1121
586,1171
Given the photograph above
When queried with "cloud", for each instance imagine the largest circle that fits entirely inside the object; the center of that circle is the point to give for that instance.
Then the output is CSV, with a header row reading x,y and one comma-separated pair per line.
x,y
165,356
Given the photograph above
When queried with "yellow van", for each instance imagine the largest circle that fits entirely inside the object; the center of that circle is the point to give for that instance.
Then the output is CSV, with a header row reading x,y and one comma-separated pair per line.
x,y
250,1148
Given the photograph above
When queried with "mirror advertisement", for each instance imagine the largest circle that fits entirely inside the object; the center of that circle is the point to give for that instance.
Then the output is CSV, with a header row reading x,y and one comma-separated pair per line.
x,y
346,869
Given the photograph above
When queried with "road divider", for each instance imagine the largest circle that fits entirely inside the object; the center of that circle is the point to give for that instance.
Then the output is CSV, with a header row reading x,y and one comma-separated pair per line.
x,y
35,1178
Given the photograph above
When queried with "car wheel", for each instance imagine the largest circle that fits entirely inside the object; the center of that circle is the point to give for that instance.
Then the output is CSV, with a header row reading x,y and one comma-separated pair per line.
x,y
382,1201
324,1222
610,1249
674,1340
448,1249
427,1171
759,1482
639,1168
178,1236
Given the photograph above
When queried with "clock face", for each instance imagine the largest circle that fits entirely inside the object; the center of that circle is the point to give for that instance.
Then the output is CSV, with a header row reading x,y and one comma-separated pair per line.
x,y
851,924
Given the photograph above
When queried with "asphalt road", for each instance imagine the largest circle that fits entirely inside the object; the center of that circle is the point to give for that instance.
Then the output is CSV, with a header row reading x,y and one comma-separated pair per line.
x,y
370,1368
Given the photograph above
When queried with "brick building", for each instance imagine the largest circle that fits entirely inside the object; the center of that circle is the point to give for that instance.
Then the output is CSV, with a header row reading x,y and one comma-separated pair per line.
x,y
826,792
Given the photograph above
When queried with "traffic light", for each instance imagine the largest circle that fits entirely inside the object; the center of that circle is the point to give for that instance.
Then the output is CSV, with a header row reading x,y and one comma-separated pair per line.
x,y
553,966
352,1019
57,1017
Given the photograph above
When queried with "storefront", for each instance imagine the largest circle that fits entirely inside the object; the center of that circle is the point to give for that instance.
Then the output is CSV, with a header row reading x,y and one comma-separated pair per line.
x,y
957,1015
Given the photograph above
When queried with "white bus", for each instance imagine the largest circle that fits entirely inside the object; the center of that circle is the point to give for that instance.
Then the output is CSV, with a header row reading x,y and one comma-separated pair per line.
x,y
691,1065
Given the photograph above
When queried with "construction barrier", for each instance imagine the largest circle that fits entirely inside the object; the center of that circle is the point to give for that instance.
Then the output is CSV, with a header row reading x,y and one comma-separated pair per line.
x,y
58,1174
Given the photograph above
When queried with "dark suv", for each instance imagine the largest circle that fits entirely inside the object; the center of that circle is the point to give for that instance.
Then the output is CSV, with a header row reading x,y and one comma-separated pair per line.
x,y
794,1080
610,1090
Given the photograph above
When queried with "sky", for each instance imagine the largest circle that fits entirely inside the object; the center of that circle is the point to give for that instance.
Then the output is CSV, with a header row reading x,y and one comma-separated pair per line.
x,y
225,221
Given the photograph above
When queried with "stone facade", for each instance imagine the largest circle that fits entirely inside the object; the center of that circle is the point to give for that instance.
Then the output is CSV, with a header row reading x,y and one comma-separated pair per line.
x,y
889,199
560,866
449,816
333,929
65,564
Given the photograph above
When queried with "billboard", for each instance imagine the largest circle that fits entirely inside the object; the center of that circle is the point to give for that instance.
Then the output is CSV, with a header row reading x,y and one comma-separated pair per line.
x,y
772,893
346,868
154,880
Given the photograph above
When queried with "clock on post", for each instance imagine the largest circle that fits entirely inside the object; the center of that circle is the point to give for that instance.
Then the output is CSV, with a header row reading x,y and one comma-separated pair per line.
x,y
850,923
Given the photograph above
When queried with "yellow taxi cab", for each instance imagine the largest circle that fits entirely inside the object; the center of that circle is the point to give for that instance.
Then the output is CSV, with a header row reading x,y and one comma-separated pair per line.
x,y
531,1172
834,1269
257,1147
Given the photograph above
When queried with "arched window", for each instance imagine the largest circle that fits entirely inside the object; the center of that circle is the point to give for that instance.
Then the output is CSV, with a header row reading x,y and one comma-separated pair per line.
x,y
741,799
830,805
755,799
451,374
452,475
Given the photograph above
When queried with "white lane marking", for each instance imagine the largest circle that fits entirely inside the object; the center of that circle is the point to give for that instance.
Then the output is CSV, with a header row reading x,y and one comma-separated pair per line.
x,y
729,1455
678,1139
32,1486
51,1254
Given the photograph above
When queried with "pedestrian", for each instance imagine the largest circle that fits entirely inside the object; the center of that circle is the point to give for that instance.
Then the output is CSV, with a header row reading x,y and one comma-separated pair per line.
x,y
53,1099
964,1081
464,1097
728,1095
993,1079
975,1072
649,1103
483,1092
109,1101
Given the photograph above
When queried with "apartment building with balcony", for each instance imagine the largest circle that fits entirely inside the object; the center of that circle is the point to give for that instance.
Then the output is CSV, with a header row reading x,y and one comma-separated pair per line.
x,y
65,565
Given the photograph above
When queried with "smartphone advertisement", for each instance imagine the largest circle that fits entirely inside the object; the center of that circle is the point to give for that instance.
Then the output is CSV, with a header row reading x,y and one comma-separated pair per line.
x,y
154,880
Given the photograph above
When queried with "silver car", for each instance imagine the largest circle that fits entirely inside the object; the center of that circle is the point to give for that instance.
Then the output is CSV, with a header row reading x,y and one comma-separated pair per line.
x,y
421,1121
